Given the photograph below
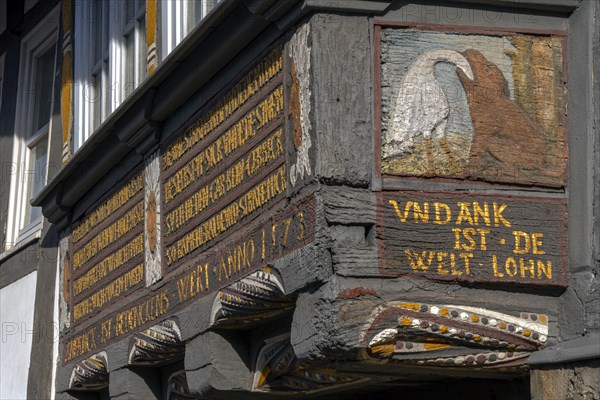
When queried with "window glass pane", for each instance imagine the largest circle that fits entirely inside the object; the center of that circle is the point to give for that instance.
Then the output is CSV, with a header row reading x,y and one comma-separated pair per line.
x,y
104,25
198,11
129,83
96,26
36,176
210,4
96,100
130,9
201,9
43,89
141,61
105,91
1,88
3,6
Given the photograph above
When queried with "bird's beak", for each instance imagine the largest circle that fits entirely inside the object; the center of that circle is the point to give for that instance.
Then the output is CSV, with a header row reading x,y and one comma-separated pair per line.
x,y
466,68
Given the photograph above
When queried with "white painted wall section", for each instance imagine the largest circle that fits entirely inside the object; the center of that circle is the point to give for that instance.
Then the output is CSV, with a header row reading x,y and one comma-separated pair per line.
x,y
16,335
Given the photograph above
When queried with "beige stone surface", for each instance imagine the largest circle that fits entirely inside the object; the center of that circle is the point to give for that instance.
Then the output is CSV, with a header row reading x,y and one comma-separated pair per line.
x,y
567,382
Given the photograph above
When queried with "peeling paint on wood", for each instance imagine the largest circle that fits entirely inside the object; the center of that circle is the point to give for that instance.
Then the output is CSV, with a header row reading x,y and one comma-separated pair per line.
x,y
300,51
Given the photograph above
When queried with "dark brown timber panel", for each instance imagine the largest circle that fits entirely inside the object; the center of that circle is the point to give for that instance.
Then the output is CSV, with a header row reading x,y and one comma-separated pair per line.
x,y
107,248
250,249
228,165
225,169
473,238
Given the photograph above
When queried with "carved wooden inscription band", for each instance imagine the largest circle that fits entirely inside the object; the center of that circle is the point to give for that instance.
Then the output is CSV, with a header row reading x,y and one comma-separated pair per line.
x,y
473,238
216,180
250,249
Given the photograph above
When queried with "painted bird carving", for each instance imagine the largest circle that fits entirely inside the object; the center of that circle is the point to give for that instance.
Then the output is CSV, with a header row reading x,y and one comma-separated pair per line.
x,y
506,141
422,106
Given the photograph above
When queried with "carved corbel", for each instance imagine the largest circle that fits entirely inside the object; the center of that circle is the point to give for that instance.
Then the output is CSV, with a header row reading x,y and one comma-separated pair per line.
x,y
177,387
158,344
90,374
252,299
277,370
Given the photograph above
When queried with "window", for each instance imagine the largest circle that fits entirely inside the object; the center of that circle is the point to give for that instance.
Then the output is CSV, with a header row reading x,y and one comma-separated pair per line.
x,y
3,5
32,125
110,52
92,69
98,65
201,8
29,5
1,78
134,35
110,59
178,18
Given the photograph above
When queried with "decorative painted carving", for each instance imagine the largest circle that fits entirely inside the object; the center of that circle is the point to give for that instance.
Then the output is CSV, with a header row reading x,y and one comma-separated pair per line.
x,y
451,336
177,387
421,105
254,298
151,51
152,229
275,359
479,107
500,138
65,279
90,373
152,242
299,52
277,370
156,345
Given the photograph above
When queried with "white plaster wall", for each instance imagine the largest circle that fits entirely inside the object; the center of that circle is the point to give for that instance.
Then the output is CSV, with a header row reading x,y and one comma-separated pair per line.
x,y
16,334
56,330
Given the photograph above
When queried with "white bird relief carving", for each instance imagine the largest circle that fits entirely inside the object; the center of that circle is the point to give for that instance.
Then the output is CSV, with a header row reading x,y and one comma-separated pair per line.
x,y
421,105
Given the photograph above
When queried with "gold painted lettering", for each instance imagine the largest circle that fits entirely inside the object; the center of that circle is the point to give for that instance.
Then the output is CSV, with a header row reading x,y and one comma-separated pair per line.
x,y
453,268
301,226
401,216
482,238
441,263
498,218
521,248
526,267
545,269
421,214
419,260
510,266
466,257
438,207
464,214
536,243
287,223
497,273
484,213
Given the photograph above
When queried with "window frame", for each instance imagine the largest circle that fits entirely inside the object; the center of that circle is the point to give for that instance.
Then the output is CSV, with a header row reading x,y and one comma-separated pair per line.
x,y
29,4
1,78
40,40
174,22
135,26
178,19
89,101
110,67
3,12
